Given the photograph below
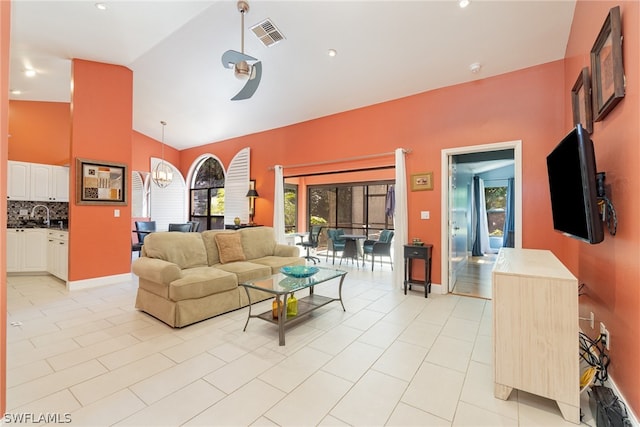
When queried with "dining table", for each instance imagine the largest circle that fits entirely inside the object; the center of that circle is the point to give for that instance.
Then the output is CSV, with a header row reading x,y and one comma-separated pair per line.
x,y
353,248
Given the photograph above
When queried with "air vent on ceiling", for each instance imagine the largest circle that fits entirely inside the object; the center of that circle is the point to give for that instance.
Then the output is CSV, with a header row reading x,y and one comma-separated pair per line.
x,y
267,32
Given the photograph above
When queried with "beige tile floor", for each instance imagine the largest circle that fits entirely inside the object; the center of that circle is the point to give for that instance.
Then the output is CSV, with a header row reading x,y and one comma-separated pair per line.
x,y
90,357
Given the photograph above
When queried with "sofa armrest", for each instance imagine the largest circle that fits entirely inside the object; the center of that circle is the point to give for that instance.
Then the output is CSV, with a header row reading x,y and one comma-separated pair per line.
x,y
156,270
286,250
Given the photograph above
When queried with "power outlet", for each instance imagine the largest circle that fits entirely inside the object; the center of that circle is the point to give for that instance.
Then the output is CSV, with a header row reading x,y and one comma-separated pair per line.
x,y
605,336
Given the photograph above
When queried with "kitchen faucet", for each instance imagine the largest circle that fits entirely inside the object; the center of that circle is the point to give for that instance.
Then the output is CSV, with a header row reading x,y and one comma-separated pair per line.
x,y
47,221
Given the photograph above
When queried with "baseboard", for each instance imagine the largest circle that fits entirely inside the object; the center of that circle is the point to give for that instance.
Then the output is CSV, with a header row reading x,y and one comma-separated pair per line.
x,y
98,281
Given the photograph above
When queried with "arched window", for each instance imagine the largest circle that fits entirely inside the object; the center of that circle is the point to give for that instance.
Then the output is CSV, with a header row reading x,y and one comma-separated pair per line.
x,y
206,201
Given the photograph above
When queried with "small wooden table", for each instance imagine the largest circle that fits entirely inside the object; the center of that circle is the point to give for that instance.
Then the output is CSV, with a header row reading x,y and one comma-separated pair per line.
x,y
412,252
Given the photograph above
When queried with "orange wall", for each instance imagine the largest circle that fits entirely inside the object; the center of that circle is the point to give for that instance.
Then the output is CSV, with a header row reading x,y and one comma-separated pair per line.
x,y
144,148
5,35
527,105
47,142
101,117
611,270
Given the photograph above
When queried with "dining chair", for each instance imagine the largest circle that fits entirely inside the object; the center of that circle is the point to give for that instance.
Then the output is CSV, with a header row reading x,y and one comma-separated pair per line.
x,y
195,225
312,243
143,228
380,247
334,242
186,227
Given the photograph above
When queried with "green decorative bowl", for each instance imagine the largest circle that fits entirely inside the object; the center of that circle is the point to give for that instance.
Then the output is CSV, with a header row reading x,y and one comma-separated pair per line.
x,y
299,271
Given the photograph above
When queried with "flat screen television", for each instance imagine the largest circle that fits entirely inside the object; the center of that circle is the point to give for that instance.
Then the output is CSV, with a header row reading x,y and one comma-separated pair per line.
x,y
573,186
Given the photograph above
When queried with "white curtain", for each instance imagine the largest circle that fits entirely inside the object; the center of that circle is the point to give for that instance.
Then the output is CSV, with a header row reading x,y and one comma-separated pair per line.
x,y
278,205
481,227
400,220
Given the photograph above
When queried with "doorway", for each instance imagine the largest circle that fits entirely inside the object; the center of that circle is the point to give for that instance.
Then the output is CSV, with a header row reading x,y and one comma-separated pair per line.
x,y
459,165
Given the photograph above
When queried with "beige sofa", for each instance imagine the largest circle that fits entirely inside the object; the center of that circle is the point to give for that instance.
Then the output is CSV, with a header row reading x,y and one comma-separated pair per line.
x,y
188,277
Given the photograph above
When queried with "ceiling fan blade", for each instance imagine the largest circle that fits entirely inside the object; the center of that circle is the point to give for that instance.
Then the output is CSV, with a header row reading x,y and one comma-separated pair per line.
x,y
252,84
232,57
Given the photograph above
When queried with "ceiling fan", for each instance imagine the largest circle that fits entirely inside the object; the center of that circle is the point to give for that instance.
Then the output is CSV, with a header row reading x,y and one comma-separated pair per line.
x,y
245,67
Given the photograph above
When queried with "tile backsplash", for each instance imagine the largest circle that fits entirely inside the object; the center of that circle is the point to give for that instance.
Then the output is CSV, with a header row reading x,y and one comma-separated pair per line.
x,y
58,211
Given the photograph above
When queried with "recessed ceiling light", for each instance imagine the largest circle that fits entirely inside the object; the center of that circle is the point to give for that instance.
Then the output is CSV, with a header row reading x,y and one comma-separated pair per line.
x,y
463,3
15,92
332,52
475,67
101,6
30,72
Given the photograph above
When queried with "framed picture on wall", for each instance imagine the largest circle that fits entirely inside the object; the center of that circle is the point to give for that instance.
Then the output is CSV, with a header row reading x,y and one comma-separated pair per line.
x,y
100,183
422,181
607,73
581,101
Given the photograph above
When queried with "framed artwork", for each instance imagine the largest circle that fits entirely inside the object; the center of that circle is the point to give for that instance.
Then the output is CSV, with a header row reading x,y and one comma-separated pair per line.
x,y
100,183
581,101
422,181
607,73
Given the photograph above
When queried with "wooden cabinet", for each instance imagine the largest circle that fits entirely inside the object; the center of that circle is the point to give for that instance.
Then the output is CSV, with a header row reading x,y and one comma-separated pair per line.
x,y
26,250
60,184
58,253
37,182
535,328
18,180
423,253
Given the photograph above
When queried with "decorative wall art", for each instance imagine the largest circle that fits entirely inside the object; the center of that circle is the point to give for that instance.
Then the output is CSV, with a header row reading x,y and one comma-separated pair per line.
x,y
607,73
422,181
581,101
100,183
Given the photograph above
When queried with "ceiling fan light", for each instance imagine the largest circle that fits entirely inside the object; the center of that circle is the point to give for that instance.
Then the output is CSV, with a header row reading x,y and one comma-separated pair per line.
x,y
242,70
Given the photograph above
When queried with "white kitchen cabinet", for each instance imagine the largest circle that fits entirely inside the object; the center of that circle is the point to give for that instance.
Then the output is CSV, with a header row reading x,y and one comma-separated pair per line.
x,y
26,250
18,180
60,184
37,182
535,328
58,253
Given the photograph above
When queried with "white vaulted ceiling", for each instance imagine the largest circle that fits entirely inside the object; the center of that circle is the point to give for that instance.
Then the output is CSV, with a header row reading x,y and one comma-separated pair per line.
x,y
385,50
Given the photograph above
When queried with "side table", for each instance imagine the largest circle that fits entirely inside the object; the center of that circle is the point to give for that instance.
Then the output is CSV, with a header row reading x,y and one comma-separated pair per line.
x,y
412,252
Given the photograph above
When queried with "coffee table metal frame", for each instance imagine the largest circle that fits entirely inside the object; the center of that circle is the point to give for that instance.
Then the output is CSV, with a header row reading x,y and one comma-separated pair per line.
x,y
281,286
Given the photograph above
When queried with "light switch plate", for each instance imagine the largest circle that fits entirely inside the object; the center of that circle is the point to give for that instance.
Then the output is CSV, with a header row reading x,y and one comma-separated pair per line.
x,y
424,215
116,213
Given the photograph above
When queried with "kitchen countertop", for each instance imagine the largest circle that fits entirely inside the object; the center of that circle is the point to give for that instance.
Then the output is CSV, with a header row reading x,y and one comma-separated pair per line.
x,y
13,227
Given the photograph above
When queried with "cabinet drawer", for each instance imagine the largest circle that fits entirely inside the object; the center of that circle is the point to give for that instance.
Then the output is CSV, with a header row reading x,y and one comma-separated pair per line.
x,y
415,252
59,235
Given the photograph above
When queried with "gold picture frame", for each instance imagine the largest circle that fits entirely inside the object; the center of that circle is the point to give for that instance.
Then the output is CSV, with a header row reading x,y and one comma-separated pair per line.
x,y
101,183
422,181
607,73
581,101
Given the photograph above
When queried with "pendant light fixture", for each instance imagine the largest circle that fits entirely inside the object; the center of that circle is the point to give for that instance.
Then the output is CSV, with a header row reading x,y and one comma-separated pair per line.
x,y
162,174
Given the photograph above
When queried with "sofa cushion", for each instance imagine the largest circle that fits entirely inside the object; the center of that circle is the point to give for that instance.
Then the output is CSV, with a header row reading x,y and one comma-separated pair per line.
x,y
184,249
229,247
201,281
258,242
245,270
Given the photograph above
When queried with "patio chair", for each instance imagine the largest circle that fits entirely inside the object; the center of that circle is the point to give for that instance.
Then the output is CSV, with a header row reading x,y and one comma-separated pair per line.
x,y
334,242
380,247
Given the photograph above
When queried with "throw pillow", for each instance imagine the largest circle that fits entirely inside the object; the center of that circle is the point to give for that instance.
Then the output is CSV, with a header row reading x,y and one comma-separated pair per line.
x,y
229,247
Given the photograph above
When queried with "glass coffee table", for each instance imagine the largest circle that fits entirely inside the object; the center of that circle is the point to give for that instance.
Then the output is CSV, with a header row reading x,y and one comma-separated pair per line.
x,y
281,286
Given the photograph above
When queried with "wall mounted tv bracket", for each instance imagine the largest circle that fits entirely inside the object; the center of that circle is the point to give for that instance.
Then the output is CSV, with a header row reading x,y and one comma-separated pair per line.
x,y
606,207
